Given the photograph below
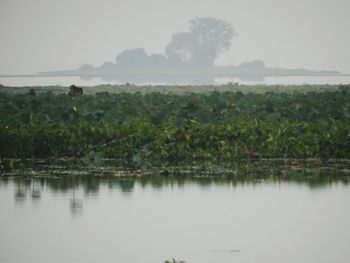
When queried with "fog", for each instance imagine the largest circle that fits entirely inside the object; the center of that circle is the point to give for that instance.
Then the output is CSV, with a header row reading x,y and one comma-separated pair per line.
x,y
44,35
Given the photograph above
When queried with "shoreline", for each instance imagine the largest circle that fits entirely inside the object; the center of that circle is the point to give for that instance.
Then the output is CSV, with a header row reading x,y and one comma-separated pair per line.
x,y
179,89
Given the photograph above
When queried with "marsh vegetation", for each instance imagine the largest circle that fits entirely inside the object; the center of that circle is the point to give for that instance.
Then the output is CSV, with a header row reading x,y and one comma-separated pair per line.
x,y
167,129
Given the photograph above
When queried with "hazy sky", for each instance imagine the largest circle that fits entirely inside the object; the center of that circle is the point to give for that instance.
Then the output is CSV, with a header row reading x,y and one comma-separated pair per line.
x,y
39,35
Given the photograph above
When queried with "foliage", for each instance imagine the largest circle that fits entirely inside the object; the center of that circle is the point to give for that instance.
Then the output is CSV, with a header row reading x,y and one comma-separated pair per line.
x,y
166,129
207,38
214,107
139,142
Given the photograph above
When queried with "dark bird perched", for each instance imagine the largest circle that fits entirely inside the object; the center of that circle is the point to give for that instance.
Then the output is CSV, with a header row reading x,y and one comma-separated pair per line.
x,y
32,92
74,91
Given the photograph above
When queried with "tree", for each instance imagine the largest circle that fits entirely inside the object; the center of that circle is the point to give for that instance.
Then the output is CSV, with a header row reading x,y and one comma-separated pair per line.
x,y
132,58
206,40
157,61
138,58
254,64
108,65
86,67
180,47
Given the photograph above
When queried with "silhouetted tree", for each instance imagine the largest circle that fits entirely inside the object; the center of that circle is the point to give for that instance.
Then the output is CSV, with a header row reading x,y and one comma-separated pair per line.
x,y
157,61
132,58
86,67
138,58
107,65
254,64
181,46
207,38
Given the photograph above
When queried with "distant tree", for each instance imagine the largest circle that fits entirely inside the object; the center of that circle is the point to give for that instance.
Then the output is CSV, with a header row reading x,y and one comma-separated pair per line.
x,y
138,58
132,58
107,65
206,40
181,47
254,64
86,67
157,61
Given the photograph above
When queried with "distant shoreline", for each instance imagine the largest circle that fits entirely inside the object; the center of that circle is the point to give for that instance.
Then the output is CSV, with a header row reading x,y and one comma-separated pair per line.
x,y
176,89
165,75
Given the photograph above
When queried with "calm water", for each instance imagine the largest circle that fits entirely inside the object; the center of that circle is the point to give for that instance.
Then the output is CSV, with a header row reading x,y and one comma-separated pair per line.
x,y
153,218
166,80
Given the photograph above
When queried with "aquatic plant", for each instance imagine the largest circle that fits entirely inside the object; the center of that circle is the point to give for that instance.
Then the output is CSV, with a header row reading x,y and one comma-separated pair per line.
x,y
213,107
142,130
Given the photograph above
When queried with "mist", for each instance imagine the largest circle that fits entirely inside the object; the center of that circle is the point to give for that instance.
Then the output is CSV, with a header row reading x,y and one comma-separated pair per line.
x,y
43,35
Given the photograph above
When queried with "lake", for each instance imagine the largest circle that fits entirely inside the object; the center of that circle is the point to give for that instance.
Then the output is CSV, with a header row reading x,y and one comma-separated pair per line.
x,y
154,218
17,81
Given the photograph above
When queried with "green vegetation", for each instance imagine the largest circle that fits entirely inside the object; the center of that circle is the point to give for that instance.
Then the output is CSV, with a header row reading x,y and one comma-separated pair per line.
x,y
213,107
178,89
158,129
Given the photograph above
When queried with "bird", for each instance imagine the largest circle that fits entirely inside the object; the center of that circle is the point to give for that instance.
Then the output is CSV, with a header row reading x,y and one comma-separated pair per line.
x,y
74,91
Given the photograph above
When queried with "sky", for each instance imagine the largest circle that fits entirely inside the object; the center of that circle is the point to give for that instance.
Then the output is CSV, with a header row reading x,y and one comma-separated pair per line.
x,y
44,35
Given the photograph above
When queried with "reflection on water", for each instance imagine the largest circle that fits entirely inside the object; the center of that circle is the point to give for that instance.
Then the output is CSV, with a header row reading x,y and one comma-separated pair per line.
x,y
313,172
170,80
268,211
90,185
20,193
76,205
36,192
156,79
79,187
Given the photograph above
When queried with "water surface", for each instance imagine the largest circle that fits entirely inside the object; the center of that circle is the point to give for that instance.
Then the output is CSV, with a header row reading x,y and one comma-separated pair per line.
x,y
153,218
17,81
